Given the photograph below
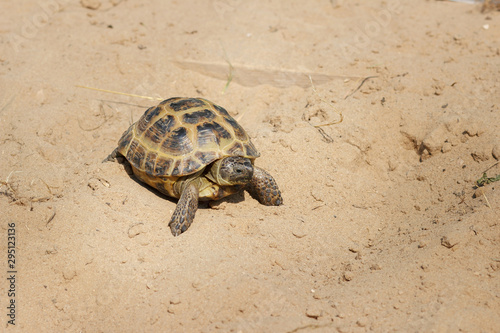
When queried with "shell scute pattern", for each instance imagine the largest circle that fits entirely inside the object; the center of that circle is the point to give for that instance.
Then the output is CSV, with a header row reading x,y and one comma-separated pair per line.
x,y
198,116
131,150
139,156
149,163
222,133
182,104
177,142
238,130
126,138
191,163
145,120
159,129
206,156
206,135
162,166
236,149
176,170
221,110
251,150
181,136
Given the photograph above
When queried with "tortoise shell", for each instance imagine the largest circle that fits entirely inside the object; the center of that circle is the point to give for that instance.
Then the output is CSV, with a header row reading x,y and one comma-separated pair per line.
x,y
181,136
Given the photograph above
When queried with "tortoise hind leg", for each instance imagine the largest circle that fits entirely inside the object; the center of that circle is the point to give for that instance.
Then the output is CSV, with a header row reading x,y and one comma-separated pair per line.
x,y
112,157
115,156
186,209
265,188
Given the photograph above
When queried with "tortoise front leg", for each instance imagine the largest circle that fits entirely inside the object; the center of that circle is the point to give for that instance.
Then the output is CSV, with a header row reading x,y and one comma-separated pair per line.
x,y
185,210
265,188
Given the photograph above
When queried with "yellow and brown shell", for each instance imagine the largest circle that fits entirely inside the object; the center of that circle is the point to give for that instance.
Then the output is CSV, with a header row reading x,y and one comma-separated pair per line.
x,y
181,136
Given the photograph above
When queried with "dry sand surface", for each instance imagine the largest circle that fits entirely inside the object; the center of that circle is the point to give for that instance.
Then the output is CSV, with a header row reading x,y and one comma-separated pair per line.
x,y
381,230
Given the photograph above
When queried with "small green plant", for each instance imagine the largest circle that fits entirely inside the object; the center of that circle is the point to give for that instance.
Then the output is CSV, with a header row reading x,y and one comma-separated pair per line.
x,y
486,180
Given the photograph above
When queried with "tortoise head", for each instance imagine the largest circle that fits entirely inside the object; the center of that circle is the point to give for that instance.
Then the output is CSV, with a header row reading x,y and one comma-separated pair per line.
x,y
233,170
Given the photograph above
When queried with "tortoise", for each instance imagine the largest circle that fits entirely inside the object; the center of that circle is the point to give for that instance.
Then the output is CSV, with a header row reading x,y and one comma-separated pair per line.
x,y
192,149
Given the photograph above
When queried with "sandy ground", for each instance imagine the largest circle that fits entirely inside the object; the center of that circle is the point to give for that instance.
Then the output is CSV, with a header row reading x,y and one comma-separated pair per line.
x,y
382,229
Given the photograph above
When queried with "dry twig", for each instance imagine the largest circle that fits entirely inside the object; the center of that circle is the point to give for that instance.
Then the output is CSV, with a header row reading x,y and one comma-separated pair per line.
x,y
360,85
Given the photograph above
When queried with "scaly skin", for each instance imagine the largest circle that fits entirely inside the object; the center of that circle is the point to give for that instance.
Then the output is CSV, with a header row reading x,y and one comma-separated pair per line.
x,y
265,188
111,157
185,210
262,185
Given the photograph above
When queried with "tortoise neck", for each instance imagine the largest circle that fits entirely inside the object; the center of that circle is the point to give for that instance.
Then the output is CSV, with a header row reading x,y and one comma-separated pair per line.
x,y
214,173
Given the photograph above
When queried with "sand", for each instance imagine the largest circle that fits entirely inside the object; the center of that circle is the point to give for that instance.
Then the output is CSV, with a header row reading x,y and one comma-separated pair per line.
x,y
382,228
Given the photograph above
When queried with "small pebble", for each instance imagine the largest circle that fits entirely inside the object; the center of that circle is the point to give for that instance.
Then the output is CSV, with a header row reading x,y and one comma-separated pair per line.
x,y
446,147
175,300
481,154
362,322
69,273
90,4
496,151
447,243
136,230
314,312
299,234
348,276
